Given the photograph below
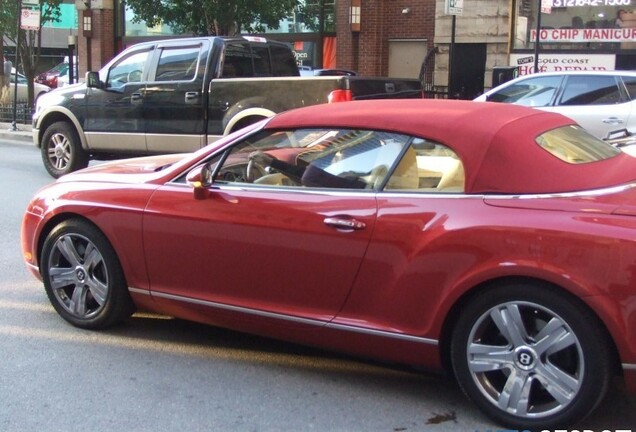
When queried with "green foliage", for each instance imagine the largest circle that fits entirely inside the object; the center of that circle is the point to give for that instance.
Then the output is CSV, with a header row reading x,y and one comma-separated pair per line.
x,y
213,17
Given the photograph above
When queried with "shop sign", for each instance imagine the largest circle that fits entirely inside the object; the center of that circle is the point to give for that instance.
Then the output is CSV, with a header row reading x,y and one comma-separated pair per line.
x,y
563,62
585,35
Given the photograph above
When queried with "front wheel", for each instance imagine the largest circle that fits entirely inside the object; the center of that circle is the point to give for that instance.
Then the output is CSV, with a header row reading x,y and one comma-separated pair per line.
x,y
61,150
530,357
83,277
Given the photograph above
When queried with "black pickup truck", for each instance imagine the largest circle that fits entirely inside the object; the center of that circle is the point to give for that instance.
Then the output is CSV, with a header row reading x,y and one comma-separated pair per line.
x,y
178,95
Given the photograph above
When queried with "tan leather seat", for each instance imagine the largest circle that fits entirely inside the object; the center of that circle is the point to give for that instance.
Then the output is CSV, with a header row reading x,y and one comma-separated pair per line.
x,y
406,174
453,179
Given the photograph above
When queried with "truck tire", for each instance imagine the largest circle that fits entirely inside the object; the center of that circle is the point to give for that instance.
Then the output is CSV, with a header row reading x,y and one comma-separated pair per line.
x,y
62,151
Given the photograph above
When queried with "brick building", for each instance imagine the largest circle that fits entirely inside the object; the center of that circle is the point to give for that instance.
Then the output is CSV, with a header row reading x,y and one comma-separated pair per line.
x,y
417,38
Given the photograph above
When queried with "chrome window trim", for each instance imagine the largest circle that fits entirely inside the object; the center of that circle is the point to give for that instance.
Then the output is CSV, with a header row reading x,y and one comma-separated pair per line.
x,y
575,194
629,366
244,187
283,317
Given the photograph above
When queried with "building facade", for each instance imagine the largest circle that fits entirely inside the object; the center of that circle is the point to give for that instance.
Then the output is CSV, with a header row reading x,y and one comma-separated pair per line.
x,y
451,51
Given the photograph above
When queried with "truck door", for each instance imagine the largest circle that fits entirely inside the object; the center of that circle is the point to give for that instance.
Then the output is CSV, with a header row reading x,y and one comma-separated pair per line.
x,y
115,111
175,98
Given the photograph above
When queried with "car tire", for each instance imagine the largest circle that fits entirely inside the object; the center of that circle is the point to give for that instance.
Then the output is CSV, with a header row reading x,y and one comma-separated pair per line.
x,y
62,151
83,277
530,356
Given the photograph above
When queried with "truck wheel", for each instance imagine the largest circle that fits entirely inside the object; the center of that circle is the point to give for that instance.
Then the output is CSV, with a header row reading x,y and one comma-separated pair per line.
x,y
530,357
62,152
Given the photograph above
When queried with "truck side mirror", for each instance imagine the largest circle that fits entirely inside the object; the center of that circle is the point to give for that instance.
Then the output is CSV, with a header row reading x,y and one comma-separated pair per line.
x,y
92,80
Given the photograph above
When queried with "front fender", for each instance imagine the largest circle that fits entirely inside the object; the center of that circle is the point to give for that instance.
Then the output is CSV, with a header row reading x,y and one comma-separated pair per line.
x,y
52,115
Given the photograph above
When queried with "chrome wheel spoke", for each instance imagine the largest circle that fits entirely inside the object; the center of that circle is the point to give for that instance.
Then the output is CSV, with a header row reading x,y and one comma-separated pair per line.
x,y
92,257
509,322
69,251
562,386
98,290
553,338
78,301
61,277
516,393
485,358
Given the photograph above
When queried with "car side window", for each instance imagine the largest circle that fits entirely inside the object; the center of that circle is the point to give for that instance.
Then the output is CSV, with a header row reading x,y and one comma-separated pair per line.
x,y
532,92
177,64
427,166
590,90
314,158
630,85
129,69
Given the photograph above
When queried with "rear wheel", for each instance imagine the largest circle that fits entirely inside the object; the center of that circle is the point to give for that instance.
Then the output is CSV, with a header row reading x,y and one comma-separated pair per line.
x,y
62,151
82,276
530,357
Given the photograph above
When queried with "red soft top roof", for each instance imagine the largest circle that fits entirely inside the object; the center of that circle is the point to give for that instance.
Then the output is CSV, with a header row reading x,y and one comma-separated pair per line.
x,y
495,141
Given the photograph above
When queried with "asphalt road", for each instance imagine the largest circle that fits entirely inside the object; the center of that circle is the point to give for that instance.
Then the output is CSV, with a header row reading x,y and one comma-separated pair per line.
x,y
155,373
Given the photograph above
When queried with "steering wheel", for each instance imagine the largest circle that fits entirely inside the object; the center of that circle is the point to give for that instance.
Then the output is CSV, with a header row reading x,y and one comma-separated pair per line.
x,y
253,171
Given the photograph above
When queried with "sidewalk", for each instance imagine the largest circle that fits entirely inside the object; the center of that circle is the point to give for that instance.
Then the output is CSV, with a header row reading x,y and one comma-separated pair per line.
x,y
22,134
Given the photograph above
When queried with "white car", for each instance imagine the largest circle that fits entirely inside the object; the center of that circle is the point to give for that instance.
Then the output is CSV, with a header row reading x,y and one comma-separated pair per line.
x,y
38,89
601,102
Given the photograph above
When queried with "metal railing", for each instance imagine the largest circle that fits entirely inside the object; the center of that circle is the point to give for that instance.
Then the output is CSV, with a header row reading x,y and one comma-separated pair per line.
x,y
23,113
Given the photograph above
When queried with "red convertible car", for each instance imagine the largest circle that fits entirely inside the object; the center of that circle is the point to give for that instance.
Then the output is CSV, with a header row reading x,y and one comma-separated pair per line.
x,y
496,241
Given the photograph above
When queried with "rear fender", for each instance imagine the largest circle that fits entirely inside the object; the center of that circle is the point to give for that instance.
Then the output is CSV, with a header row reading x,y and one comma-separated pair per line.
x,y
232,118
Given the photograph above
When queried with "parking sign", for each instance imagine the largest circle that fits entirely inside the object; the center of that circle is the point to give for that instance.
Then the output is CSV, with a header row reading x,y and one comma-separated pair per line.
x,y
454,7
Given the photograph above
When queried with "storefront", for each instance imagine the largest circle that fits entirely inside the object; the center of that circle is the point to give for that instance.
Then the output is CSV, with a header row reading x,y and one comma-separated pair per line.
x,y
575,35
311,34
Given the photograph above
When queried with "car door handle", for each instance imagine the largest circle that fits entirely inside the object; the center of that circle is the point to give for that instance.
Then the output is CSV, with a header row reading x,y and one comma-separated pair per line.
x,y
342,223
191,97
613,121
136,98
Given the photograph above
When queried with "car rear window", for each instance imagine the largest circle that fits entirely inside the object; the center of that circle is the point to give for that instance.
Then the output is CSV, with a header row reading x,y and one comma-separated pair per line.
x,y
573,144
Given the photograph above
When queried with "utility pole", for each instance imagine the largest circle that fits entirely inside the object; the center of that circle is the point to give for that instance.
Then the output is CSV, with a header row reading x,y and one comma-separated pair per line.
x,y
14,126
538,38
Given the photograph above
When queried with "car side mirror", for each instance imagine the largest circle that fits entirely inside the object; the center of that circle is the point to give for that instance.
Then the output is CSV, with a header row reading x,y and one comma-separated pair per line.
x,y
200,179
92,80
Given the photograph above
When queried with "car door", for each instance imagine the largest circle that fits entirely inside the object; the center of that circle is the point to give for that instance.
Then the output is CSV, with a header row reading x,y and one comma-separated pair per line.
x,y
263,241
596,102
175,97
114,112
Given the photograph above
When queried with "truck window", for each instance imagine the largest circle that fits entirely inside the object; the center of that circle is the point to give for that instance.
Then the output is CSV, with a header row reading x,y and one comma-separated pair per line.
x,y
261,61
237,61
283,62
177,64
128,69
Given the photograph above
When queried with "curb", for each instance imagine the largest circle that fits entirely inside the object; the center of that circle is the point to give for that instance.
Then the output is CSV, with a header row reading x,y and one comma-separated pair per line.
x,y
22,133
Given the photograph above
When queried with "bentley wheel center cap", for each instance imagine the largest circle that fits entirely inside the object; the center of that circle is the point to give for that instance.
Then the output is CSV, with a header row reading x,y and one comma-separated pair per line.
x,y
525,358
80,274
